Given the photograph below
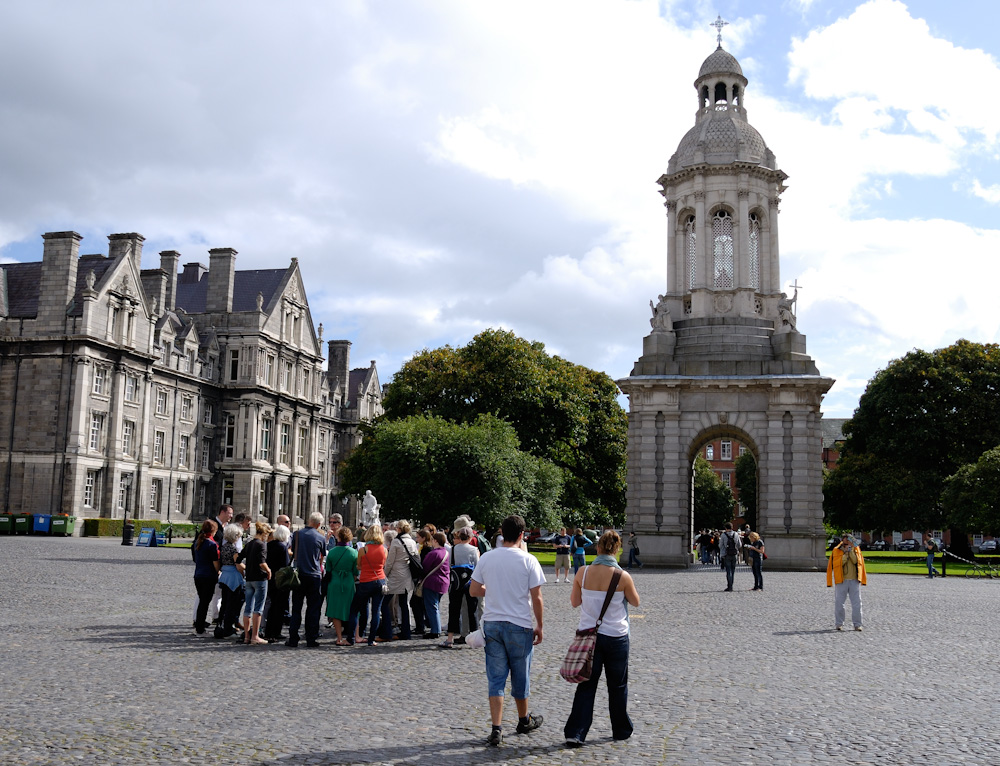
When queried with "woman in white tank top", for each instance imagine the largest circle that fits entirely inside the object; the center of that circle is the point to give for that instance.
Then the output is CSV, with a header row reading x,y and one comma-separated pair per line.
x,y
590,587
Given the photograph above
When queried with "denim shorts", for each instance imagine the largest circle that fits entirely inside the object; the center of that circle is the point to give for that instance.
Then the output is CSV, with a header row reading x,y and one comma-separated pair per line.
x,y
255,593
508,650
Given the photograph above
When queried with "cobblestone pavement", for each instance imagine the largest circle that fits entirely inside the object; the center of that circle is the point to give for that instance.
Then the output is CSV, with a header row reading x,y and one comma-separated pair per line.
x,y
101,666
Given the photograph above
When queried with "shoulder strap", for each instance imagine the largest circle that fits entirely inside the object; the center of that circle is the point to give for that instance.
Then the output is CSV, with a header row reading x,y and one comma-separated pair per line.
x,y
611,592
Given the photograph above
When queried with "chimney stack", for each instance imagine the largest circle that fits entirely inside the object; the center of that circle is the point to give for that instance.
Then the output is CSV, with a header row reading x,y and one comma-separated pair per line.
x,y
57,286
339,365
221,273
168,264
126,243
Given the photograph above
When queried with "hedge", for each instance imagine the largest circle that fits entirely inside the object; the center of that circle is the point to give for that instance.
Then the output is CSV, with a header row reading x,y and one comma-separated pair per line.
x,y
113,527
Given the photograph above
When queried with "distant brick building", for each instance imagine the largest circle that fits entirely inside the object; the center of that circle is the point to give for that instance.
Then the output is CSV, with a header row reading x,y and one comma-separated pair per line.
x,y
169,392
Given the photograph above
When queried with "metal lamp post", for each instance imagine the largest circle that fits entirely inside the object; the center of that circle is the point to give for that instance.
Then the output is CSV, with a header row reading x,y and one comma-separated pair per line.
x,y
127,529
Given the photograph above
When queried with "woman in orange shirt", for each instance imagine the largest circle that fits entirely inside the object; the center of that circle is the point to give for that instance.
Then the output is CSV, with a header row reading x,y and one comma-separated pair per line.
x,y
371,583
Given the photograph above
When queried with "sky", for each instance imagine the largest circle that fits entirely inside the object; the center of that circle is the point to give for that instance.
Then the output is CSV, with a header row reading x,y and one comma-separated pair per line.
x,y
443,167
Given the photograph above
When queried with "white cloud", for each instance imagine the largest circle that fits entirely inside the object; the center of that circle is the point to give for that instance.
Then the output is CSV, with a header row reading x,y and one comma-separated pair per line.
x,y
989,193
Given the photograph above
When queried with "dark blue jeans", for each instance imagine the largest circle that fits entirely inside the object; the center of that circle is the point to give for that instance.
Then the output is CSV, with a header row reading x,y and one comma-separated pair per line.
x,y
310,592
758,575
364,594
633,557
611,655
729,564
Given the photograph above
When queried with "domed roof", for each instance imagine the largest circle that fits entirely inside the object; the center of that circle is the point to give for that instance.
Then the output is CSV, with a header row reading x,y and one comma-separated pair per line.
x,y
723,139
720,62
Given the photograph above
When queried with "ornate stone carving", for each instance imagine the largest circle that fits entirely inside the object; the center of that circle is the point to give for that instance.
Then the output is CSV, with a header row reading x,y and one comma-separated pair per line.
x,y
723,303
661,321
785,314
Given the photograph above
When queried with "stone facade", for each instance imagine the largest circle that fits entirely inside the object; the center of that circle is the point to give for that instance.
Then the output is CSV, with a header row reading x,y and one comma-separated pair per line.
x,y
724,358
169,392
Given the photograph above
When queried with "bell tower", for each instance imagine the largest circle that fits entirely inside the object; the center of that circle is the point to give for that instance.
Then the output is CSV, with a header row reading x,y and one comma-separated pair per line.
x,y
724,355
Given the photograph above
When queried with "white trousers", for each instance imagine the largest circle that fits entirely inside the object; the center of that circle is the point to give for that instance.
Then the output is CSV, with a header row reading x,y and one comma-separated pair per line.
x,y
841,591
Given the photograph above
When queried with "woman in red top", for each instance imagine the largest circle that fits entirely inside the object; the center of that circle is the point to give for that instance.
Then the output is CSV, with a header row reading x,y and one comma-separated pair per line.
x,y
371,581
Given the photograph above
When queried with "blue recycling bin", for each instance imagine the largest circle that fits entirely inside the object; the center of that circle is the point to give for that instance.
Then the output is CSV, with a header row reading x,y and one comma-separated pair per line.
x,y
42,523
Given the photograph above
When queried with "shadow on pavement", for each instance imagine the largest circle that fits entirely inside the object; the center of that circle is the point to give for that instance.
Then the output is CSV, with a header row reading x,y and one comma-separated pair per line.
x,y
472,750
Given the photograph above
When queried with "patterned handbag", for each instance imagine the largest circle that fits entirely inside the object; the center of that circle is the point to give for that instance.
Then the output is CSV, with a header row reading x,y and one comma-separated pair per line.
x,y
579,661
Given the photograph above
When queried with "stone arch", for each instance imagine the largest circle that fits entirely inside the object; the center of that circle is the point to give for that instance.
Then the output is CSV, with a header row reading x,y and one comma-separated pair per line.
x,y
708,433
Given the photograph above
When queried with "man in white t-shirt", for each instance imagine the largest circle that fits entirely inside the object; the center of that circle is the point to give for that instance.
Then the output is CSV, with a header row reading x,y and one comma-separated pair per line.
x,y
510,580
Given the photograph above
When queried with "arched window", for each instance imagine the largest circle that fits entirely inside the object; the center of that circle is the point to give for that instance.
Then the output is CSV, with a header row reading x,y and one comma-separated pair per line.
x,y
721,100
722,238
753,250
690,246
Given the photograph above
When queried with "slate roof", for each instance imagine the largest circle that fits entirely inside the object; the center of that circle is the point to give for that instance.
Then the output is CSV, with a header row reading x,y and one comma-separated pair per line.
x,y
832,431
22,288
191,296
24,281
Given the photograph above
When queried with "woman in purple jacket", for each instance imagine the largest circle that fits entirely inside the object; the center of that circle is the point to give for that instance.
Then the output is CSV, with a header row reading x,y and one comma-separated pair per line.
x,y
435,582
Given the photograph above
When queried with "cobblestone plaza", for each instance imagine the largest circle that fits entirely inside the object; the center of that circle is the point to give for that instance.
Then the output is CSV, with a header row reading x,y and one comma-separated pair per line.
x,y
101,666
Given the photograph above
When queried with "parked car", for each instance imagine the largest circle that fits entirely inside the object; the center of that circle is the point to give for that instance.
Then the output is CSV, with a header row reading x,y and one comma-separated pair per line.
x,y
877,545
908,545
547,539
990,547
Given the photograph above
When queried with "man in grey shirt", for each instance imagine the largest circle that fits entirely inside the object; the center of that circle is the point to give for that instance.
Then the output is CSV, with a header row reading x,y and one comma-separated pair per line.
x,y
309,548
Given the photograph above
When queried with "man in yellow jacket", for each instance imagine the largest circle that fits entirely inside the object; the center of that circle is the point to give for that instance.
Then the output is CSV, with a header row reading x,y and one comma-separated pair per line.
x,y
846,568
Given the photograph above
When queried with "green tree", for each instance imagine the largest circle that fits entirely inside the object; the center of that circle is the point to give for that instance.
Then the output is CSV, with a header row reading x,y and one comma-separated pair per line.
x,y
746,483
713,500
562,412
431,470
919,420
972,494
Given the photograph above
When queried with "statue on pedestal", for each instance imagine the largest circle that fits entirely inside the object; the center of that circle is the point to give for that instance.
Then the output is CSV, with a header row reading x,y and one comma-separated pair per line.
x,y
661,319
370,509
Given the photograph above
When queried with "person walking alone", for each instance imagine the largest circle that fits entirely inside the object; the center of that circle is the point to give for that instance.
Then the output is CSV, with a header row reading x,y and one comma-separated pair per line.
x,y
729,546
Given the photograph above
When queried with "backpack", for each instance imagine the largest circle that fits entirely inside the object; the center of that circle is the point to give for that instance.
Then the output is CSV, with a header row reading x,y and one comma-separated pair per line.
x,y
484,544
730,543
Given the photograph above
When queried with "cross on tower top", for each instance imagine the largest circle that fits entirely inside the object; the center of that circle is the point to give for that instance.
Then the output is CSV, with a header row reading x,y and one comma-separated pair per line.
x,y
719,24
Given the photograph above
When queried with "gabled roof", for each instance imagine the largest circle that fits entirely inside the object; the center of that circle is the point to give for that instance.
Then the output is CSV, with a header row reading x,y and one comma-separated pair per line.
x,y
191,296
97,263
24,283
832,431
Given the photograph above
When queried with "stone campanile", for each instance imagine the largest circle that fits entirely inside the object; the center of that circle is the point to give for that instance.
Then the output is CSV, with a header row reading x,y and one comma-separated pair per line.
x,y
724,356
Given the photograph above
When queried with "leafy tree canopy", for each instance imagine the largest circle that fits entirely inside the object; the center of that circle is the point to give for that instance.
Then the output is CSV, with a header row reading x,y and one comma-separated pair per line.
x,y
430,470
746,483
918,421
562,412
972,494
713,500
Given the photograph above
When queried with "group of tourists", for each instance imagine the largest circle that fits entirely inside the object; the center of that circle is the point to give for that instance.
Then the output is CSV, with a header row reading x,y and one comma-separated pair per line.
x,y
371,586
727,547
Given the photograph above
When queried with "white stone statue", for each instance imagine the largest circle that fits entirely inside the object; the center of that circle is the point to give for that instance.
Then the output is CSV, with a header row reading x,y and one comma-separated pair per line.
x,y
661,319
370,509
785,310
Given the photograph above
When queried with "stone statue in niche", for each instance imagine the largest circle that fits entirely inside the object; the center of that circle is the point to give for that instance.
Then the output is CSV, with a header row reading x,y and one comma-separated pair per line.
x,y
661,316
785,314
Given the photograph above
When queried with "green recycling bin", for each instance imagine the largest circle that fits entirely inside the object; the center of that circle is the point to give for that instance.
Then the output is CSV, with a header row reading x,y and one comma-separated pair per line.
x,y
22,523
6,524
63,525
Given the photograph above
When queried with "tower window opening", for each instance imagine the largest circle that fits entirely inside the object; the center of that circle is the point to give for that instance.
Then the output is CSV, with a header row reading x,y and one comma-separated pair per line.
x,y
736,95
703,98
691,242
753,250
722,237
721,99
